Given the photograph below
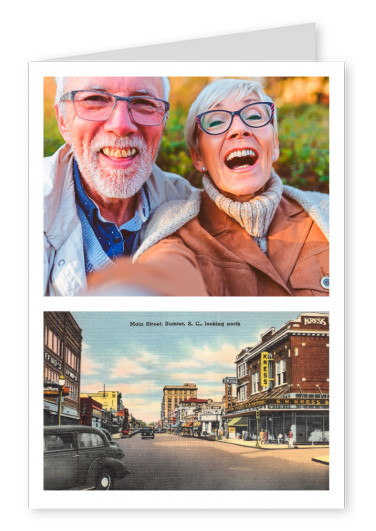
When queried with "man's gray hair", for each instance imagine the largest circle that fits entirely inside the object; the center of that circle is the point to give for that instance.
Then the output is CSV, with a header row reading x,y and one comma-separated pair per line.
x,y
60,84
216,92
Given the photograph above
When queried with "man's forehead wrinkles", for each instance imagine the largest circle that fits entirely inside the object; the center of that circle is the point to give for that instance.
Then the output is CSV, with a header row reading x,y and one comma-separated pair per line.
x,y
94,86
145,92
128,90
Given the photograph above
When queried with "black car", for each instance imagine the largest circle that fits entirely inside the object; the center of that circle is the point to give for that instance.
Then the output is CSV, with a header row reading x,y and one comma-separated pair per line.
x,y
147,433
80,457
120,453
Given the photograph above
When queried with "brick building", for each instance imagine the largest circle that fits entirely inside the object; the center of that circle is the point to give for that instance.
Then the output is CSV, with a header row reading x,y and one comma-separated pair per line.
x,y
91,413
62,357
295,394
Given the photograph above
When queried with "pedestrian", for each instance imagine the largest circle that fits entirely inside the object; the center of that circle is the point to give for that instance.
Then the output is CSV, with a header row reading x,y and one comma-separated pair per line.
x,y
261,436
291,439
265,437
280,438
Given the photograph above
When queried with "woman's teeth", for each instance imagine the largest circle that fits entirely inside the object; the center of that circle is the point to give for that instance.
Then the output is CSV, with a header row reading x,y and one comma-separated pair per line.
x,y
241,153
119,153
241,158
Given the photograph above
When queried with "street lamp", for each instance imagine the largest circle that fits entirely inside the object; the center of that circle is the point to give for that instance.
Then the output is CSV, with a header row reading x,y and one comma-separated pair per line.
x,y
61,383
257,431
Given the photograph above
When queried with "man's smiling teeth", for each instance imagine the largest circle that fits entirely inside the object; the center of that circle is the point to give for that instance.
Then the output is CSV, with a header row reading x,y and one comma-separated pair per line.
x,y
241,153
119,153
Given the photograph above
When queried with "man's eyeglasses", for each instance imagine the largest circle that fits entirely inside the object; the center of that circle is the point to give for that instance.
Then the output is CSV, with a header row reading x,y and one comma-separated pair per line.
x,y
98,106
253,115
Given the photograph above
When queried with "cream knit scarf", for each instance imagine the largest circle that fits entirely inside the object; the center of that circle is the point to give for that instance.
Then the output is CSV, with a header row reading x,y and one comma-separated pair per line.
x,y
255,215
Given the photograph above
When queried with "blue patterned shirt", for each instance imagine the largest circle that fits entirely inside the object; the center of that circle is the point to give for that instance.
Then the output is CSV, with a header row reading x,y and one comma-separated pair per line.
x,y
115,241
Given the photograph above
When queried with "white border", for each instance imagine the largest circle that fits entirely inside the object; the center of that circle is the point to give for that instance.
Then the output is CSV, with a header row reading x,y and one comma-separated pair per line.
x,y
334,498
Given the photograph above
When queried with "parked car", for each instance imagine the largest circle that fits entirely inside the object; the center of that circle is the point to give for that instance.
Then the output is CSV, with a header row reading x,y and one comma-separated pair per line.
x,y
80,457
147,433
120,453
126,432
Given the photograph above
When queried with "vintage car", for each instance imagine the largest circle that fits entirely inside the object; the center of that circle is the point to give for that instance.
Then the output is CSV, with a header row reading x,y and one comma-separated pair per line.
x,y
120,453
80,457
147,433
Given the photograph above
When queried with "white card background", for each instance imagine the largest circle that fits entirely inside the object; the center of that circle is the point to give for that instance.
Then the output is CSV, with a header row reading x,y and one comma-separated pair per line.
x,y
37,32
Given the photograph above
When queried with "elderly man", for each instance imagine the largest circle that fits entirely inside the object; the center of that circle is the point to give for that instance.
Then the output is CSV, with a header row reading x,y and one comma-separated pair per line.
x,y
102,186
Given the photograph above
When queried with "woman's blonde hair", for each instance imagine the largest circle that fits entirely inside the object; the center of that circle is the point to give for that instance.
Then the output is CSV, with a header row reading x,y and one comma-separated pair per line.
x,y
216,92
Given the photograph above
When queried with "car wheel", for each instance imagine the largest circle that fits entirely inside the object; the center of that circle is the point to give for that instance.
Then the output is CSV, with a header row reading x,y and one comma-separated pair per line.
x,y
105,480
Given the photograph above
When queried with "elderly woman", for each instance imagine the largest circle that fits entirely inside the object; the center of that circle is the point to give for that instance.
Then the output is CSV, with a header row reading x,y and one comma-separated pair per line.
x,y
247,234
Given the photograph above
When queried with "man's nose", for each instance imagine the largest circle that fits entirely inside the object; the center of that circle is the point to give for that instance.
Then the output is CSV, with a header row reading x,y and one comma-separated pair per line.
x,y
238,128
120,121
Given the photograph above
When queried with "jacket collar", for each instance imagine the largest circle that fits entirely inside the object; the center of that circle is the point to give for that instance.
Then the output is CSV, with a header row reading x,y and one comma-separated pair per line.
x,y
287,233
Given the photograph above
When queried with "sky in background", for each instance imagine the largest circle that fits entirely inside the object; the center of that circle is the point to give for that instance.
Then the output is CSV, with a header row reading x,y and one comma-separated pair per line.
x,y
139,361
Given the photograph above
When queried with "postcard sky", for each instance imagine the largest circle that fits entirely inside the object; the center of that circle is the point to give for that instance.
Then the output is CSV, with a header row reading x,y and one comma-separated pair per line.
x,y
139,361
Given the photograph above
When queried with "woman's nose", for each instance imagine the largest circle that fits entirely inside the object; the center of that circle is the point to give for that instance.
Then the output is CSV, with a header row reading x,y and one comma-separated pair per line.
x,y
238,128
120,121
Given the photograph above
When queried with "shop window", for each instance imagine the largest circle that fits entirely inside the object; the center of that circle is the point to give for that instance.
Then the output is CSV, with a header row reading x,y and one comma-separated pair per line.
x,y
280,370
53,342
242,393
50,375
71,359
255,382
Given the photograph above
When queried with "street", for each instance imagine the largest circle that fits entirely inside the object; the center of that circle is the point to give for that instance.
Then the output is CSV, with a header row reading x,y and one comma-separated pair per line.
x,y
170,462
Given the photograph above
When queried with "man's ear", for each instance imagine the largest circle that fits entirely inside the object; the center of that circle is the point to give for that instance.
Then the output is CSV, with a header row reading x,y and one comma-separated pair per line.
x,y
197,160
61,122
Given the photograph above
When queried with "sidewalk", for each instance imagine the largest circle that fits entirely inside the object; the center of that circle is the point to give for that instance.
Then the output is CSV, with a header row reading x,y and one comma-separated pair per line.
x,y
270,446
252,444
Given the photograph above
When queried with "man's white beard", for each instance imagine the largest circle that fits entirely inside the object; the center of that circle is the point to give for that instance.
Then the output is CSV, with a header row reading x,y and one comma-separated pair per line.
x,y
114,183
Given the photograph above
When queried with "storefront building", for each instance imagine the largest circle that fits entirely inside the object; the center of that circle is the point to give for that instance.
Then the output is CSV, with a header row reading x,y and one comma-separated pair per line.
x,y
173,395
283,384
92,414
62,358
211,421
110,400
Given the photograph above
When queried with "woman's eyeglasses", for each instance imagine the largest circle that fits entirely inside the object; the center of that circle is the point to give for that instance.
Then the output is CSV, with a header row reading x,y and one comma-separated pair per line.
x,y
254,115
98,106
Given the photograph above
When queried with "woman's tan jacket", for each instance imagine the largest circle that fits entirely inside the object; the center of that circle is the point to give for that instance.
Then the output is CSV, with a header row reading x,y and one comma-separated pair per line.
x,y
213,255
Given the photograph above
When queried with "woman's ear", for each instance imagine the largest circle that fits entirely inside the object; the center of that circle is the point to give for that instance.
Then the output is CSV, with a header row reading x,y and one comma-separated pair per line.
x,y
275,149
62,124
197,160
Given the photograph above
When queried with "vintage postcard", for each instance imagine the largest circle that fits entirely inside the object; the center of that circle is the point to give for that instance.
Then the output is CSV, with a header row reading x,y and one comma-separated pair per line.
x,y
188,401
220,396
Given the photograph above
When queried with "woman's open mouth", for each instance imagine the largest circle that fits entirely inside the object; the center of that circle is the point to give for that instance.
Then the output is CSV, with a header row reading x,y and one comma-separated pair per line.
x,y
241,158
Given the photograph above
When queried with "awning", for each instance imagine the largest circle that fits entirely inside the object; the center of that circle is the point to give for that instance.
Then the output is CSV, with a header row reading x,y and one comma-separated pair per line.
x,y
187,425
177,424
197,424
239,422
